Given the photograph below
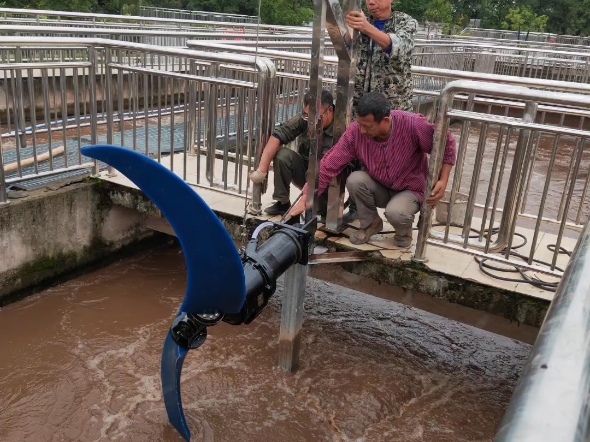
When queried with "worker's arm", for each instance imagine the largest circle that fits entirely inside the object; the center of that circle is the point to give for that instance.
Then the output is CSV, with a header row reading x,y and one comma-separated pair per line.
x,y
402,41
284,134
357,20
424,132
332,164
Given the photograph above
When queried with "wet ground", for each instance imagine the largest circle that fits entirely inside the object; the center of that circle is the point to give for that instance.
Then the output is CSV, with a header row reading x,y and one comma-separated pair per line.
x,y
81,362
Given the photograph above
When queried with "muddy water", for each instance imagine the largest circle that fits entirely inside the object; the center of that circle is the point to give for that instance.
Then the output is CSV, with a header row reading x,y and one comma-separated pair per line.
x,y
80,362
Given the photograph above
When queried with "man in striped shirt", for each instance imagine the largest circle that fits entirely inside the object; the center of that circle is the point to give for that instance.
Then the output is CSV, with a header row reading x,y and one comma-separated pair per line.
x,y
393,147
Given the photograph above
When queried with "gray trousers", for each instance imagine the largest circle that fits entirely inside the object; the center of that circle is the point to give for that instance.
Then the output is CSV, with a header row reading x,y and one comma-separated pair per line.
x,y
290,167
368,194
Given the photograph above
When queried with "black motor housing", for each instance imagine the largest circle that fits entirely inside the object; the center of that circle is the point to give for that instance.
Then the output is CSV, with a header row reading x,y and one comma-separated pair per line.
x,y
287,245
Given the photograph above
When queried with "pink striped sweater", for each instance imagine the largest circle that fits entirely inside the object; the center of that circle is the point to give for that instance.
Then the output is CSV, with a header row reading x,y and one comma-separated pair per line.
x,y
401,163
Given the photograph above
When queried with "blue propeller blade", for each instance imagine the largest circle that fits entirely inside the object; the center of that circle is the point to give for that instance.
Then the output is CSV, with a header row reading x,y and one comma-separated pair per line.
x,y
172,360
215,273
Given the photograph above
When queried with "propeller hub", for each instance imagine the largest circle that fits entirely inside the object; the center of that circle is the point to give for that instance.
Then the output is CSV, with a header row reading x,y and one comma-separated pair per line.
x,y
188,331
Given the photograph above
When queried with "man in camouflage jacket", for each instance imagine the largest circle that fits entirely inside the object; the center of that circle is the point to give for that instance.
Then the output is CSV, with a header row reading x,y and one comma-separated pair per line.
x,y
385,47
291,166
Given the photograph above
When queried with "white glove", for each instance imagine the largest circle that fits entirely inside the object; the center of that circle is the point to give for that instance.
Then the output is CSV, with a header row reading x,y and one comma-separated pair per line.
x,y
257,176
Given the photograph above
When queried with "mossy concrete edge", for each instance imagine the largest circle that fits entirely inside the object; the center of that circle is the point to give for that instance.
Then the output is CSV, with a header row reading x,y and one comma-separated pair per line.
x,y
513,306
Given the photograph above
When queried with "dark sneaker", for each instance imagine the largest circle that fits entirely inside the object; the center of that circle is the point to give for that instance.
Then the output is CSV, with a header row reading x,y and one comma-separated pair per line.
x,y
278,208
351,215
403,241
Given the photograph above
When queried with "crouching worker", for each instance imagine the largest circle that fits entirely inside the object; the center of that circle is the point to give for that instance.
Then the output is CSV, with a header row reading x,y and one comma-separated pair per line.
x,y
393,147
290,166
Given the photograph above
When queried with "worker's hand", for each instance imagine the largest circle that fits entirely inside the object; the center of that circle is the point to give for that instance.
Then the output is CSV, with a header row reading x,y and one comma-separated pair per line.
x,y
257,176
298,208
357,20
438,191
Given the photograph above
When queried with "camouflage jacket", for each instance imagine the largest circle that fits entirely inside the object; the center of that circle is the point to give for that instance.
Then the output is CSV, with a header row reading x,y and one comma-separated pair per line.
x,y
391,73
291,129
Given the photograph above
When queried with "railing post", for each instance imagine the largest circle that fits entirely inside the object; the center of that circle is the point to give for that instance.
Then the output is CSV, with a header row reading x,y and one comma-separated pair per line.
x,y
265,108
211,119
111,172
93,100
434,166
514,191
192,103
294,293
19,111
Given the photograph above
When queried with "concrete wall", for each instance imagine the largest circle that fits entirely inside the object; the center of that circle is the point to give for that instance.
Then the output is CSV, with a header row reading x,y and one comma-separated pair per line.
x,y
51,232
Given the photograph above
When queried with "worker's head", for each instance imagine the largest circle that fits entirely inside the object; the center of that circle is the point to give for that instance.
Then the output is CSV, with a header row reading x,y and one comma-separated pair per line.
x,y
374,115
380,9
327,106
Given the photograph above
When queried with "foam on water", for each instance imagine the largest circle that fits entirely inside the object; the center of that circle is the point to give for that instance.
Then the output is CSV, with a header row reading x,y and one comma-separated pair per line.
x,y
81,362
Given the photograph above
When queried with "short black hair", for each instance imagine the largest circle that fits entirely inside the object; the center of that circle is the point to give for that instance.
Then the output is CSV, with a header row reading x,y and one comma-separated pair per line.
x,y
373,103
327,98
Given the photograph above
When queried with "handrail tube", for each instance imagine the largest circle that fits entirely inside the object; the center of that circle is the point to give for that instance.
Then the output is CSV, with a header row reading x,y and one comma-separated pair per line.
x,y
44,65
550,401
565,86
159,32
101,42
212,80
186,11
91,16
284,55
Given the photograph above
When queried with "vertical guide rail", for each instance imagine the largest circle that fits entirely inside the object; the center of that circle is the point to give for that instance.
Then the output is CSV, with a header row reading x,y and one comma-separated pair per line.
x,y
551,400
92,86
109,90
344,45
292,309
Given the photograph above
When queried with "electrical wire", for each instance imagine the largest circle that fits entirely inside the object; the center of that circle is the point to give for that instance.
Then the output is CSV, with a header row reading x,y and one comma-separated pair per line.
x,y
483,262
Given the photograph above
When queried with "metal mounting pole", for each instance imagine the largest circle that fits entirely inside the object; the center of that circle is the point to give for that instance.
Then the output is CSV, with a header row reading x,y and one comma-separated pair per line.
x,y
344,41
294,293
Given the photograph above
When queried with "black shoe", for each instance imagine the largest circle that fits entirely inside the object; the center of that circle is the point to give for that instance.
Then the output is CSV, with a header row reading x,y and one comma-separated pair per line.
x,y
278,208
351,215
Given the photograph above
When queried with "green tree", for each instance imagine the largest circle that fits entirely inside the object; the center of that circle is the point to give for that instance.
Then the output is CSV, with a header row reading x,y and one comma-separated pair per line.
x,y
524,19
439,11
286,12
414,8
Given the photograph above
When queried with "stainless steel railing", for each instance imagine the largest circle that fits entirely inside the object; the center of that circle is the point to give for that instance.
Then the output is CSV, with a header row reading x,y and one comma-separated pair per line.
x,y
550,401
81,19
561,122
152,11
504,161
531,36
189,108
157,36
531,62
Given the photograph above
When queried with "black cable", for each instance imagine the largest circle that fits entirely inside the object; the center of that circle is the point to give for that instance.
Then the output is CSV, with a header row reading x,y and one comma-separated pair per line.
x,y
483,265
